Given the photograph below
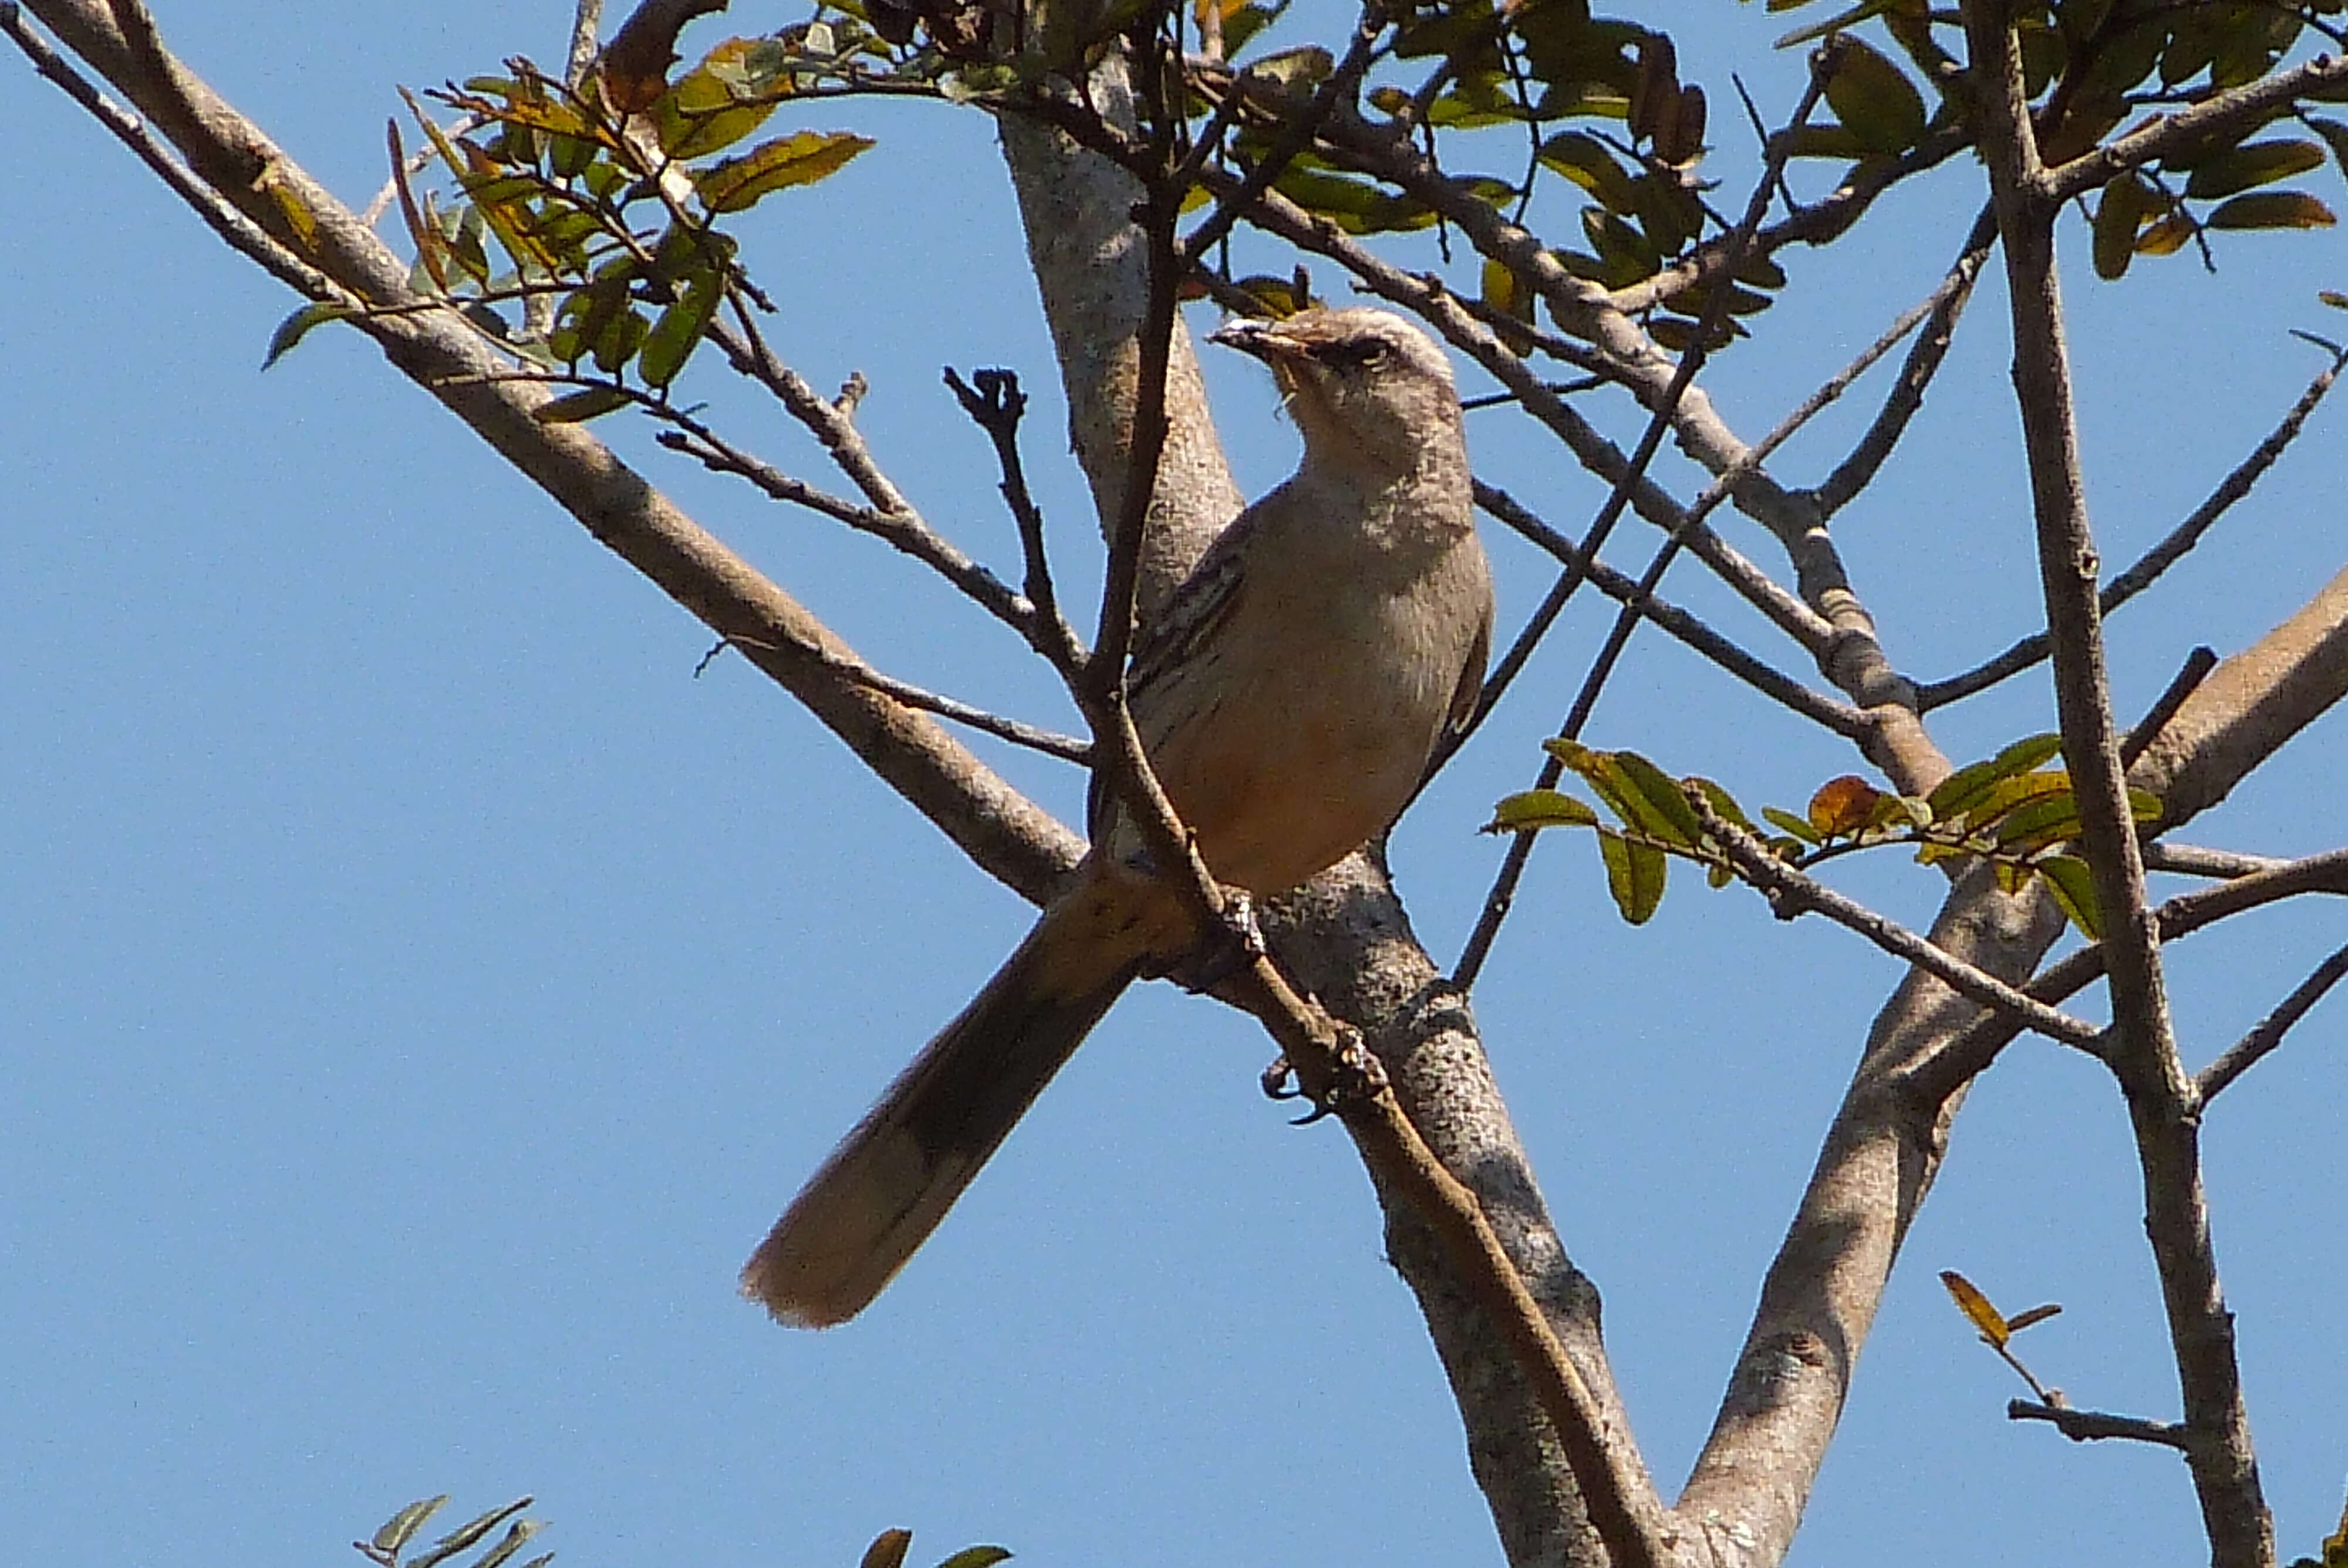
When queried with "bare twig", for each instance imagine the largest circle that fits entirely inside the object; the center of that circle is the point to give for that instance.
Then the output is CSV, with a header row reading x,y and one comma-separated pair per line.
x,y
2173,696
996,405
586,26
904,531
2246,1053
2189,860
1067,748
1838,716
1944,305
2148,568
2086,1425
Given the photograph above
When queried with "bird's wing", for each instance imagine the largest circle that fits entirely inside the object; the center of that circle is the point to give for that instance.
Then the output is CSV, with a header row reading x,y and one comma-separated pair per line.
x,y
1193,616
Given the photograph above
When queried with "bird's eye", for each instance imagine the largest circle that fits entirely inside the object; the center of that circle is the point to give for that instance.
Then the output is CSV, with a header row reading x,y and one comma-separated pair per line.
x,y
1360,354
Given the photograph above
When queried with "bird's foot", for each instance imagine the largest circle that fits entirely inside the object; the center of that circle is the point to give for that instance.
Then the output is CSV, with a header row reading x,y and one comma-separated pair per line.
x,y
1355,1075
1225,948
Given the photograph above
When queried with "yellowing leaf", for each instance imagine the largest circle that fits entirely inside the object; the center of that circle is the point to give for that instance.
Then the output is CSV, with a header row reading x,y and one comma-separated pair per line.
x,y
1976,1307
801,158
2254,163
888,1549
1537,808
2272,209
2117,217
576,407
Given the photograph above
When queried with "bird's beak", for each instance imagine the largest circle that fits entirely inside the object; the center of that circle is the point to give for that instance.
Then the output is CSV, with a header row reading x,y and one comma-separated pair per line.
x,y
1262,339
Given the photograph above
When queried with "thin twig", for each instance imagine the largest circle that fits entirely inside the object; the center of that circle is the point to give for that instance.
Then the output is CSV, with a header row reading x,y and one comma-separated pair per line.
x,y
900,530
1967,1055
246,237
1502,895
2086,1425
1945,303
2190,860
1791,893
2143,1053
996,405
2148,568
1068,748
1817,706
2268,1032
1296,134
2181,686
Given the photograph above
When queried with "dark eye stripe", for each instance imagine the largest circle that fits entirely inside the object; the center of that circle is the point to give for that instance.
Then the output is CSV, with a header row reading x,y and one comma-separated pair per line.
x,y
1354,354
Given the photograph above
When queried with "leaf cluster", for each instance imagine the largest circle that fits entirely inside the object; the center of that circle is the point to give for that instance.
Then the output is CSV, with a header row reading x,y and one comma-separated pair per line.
x,y
386,1546
602,201
2091,68
2010,810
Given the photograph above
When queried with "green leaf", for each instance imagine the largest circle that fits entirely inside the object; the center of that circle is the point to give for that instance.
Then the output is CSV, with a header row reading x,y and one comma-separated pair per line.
x,y
2119,216
292,330
2074,888
517,1536
1668,814
705,112
1538,808
800,158
1586,160
2254,163
679,330
2272,209
1964,789
1724,804
465,1535
1874,99
401,1527
575,408
618,342
1791,823
1304,67
2053,818
1634,875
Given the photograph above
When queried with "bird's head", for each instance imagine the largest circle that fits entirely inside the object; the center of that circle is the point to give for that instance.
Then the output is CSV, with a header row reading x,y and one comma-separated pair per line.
x,y
1362,385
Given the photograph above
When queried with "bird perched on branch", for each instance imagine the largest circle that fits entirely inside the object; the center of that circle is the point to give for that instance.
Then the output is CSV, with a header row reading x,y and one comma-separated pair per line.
x,y
1289,698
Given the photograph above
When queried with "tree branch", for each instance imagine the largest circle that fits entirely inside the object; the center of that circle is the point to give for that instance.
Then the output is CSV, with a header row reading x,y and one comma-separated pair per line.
x,y
2248,1051
2142,1054
2148,568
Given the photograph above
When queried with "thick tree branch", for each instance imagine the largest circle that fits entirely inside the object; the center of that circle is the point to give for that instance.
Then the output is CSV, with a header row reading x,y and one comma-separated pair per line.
x,y
996,827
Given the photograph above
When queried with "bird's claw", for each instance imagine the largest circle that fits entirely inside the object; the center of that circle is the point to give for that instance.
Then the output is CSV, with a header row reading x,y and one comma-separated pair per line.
x,y
1355,1075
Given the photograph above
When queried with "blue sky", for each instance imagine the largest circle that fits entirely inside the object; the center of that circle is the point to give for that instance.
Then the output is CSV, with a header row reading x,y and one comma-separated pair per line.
x,y
420,990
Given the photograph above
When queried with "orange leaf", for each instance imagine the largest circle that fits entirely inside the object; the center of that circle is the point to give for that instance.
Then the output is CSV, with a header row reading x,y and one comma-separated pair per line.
x,y
1843,805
